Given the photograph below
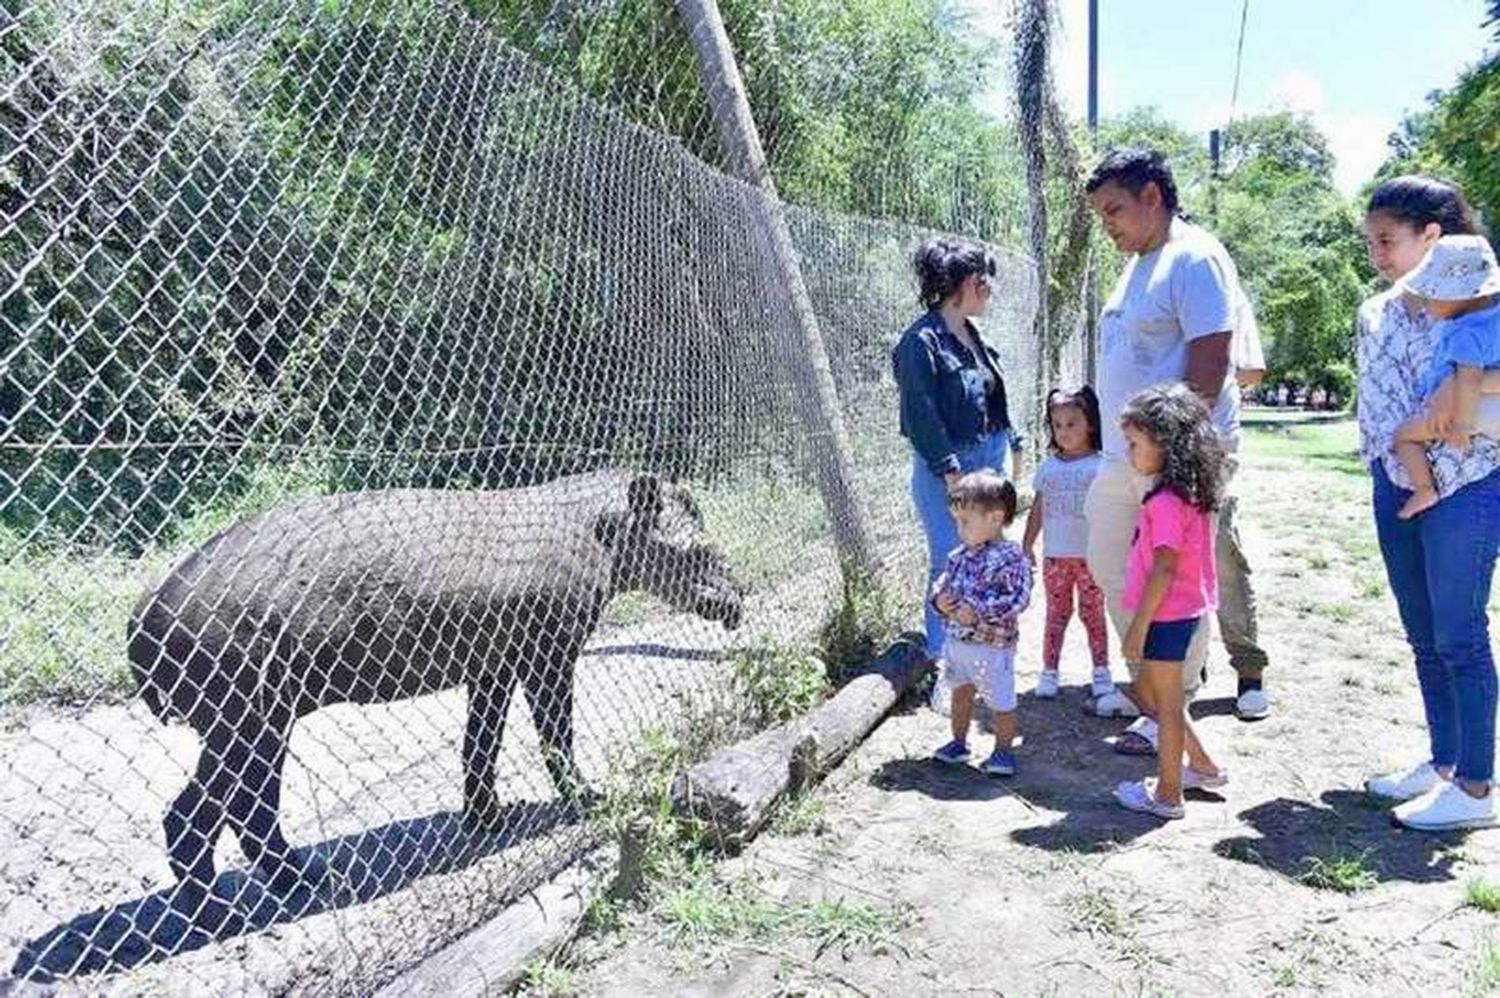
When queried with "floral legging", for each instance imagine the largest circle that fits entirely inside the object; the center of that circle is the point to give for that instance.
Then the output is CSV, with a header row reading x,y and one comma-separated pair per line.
x,y
1061,576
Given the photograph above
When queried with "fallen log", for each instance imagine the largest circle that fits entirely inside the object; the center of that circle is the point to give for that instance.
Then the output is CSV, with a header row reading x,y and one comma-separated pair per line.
x,y
734,790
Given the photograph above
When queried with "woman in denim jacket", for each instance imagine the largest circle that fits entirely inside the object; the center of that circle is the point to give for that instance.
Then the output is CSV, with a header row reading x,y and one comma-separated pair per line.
x,y
953,404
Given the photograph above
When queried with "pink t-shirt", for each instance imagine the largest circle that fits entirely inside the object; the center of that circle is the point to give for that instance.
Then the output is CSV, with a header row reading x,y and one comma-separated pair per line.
x,y
1169,521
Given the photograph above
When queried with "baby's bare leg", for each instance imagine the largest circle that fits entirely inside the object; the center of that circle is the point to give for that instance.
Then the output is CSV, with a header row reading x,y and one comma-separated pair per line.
x,y
1412,438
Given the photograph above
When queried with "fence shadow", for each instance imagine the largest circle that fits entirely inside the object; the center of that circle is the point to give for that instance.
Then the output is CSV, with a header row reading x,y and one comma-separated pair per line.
x,y
1296,834
359,868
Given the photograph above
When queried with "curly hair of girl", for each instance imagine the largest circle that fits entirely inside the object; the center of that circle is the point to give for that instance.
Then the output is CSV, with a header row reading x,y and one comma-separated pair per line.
x,y
1175,417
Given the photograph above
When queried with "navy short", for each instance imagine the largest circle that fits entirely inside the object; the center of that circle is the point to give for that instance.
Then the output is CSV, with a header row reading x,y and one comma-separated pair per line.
x,y
1168,640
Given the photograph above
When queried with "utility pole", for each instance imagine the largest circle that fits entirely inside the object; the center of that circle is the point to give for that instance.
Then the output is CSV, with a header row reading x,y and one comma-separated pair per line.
x,y
1091,274
807,361
1215,139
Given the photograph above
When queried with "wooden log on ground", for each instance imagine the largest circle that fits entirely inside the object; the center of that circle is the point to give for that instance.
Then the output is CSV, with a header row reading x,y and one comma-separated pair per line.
x,y
734,790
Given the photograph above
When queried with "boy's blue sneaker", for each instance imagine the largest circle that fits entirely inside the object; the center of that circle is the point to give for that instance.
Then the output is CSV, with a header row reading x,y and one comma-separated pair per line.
x,y
1000,764
953,753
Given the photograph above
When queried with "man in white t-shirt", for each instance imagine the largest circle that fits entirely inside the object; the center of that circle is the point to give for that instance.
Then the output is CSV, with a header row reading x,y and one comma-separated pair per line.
x,y
1172,316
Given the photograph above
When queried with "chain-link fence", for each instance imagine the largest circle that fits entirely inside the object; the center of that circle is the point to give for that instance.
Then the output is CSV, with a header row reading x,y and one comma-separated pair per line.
x,y
358,369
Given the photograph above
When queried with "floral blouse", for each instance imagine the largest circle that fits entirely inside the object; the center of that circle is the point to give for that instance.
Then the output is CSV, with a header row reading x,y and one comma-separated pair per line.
x,y
1395,345
996,581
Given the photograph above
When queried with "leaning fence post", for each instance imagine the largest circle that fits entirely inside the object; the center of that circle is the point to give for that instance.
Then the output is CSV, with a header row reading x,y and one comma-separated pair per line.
x,y
817,398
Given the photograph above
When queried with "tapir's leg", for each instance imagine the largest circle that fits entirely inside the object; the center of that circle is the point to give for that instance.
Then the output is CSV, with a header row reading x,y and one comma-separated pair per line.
x,y
489,699
548,674
195,818
256,754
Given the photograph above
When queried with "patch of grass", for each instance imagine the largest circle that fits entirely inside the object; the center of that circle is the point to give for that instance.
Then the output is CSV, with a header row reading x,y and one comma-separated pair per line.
x,y
863,621
1371,587
1328,446
704,911
1484,976
1095,912
545,978
764,524
1317,560
629,608
1484,895
865,927
780,681
1346,873
800,814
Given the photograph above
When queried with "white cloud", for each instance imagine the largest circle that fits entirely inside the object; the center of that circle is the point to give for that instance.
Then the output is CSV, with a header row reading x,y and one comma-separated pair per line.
x,y
1298,90
1358,143
1357,140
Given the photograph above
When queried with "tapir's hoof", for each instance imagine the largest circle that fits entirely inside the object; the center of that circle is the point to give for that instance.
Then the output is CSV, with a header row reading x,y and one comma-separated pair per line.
x,y
484,814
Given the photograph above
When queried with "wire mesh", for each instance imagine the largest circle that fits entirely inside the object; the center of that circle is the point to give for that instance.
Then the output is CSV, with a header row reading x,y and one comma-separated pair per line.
x,y
362,366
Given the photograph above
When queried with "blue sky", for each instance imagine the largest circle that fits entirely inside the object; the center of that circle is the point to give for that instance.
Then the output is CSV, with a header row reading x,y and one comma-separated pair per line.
x,y
1356,65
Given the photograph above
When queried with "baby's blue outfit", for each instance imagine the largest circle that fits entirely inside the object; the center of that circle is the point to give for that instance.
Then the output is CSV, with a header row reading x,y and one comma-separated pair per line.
x,y
1471,340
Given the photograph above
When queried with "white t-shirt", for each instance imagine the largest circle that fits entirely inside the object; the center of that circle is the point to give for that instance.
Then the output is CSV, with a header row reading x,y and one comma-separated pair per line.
x,y
1185,289
1060,486
1245,350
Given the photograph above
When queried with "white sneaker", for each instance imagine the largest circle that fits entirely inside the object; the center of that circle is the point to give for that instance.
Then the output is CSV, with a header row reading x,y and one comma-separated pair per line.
x,y
1445,808
1113,704
1046,685
1405,786
1103,684
1252,705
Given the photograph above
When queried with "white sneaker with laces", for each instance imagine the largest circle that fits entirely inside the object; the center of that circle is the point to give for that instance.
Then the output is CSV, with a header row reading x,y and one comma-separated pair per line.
x,y
1047,685
1103,683
1113,704
1252,705
1447,807
1406,785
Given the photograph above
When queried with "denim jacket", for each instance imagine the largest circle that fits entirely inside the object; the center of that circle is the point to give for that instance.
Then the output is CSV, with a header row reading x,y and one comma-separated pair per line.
x,y
944,406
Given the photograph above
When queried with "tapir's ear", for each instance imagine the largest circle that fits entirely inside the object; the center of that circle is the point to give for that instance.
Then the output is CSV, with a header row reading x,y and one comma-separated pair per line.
x,y
645,499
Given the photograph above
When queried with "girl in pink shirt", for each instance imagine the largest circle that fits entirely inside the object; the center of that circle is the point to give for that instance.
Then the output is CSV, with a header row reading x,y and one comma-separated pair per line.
x,y
1170,583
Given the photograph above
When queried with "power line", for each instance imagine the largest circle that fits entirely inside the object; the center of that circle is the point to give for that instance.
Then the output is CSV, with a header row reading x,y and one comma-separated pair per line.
x,y
1239,56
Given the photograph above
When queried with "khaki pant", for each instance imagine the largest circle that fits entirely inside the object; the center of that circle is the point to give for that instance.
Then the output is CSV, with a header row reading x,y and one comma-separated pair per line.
x,y
1112,508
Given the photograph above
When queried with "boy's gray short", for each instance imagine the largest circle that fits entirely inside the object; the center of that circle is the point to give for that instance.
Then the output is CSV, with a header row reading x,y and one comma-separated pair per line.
x,y
989,669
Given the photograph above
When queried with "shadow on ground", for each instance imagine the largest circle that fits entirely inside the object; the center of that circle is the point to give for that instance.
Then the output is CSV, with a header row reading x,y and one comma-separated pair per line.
x,y
1066,766
359,868
1346,823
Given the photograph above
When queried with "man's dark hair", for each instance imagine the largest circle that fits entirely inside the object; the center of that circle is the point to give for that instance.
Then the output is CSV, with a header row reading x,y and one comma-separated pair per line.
x,y
1133,169
986,491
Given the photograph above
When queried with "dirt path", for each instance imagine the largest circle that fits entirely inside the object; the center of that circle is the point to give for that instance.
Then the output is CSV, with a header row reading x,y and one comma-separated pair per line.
x,y
942,881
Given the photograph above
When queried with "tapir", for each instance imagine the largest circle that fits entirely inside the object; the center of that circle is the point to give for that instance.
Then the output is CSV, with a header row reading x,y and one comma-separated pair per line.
x,y
378,596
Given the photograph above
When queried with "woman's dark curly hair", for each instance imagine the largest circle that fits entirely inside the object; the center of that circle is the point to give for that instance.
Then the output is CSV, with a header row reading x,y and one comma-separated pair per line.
x,y
942,265
1085,401
1192,458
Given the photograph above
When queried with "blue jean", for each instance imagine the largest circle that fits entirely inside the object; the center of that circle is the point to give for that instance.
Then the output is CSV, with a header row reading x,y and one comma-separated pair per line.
x,y
1440,565
930,494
